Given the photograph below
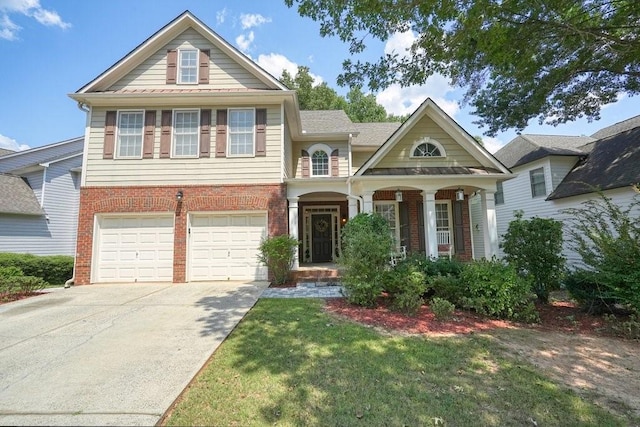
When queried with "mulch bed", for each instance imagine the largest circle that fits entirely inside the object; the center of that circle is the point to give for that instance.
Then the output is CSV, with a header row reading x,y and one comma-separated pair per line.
x,y
4,298
559,316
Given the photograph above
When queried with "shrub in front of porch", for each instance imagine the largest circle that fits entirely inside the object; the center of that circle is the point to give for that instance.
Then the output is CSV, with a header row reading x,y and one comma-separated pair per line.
x,y
366,245
278,253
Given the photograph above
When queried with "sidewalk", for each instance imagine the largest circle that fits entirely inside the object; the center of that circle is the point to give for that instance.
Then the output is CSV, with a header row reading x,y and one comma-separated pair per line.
x,y
306,290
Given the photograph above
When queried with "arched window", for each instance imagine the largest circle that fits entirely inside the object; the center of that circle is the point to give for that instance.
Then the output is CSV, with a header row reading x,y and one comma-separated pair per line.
x,y
319,163
427,150
427,147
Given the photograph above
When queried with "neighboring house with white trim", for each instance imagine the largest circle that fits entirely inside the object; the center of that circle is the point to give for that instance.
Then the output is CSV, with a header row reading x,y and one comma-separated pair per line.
x,y
555,173
194,153
40,191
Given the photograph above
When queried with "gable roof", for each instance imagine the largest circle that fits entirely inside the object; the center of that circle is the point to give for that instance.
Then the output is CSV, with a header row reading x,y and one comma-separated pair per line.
x,y
49,153
319,121
527,148
163,36
374,134
462,137
17,197
613,163
615,128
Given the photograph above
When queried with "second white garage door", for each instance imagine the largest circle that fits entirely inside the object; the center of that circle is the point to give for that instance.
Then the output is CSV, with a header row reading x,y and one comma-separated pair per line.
x,y
225,246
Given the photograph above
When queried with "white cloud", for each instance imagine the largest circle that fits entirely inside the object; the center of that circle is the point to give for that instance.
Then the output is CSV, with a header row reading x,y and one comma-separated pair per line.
x,y
12,144
221,16
30,8
400,43
405,100
244,41
250,20
492,144
275,63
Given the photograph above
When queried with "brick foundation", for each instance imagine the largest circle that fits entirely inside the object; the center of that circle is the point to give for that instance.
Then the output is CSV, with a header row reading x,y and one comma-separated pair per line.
x,y
162,199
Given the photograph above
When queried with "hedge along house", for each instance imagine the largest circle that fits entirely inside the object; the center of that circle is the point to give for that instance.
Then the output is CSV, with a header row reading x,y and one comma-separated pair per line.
x,y
193,154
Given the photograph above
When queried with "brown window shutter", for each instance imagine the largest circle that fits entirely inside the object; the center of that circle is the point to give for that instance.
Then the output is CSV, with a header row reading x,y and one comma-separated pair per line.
x,y
261,132
203,72
221,133
205,133
335,169
305,164
109,134
172,66
149,134
165,133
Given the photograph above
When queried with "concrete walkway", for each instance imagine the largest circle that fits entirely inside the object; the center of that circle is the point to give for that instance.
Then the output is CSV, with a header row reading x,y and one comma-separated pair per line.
x,y
111,354
306,290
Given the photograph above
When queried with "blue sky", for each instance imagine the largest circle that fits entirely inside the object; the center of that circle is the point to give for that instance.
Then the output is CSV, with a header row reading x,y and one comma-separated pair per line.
x,y
52,48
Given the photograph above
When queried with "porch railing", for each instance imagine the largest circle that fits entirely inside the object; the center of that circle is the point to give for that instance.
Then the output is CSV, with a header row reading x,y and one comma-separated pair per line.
x,y
444,237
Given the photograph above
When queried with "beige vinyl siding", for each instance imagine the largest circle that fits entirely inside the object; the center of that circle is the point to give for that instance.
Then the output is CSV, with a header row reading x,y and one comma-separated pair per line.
x,y
167,171
359,158
224,73
288,153
343,155
400,155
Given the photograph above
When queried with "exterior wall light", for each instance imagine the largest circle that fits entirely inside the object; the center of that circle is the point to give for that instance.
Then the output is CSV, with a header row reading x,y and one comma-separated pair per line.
x,y
179,195
460,194
398,196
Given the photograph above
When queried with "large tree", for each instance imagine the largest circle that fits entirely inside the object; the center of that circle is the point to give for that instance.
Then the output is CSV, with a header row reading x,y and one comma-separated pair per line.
x,y
556,60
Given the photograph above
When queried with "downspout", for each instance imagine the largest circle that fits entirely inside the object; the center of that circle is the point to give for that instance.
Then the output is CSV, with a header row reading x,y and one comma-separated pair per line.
x,y
83,107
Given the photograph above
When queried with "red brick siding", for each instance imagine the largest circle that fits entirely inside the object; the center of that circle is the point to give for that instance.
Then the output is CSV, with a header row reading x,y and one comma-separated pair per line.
x,y
145,199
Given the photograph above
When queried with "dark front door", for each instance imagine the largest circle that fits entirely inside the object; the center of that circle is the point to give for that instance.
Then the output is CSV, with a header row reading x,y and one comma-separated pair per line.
x,y
321,238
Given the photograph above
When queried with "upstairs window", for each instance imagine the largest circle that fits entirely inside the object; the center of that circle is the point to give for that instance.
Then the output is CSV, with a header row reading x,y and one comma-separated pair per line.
x,y
538,186
129,138
241,132
320,163
185,133
499,196
427,147
188,66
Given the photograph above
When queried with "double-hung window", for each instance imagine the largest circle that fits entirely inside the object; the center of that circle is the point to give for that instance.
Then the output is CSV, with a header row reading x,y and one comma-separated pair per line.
x,y
185,133
130,130
538,186
188,66
443,223
499,196
241,132
389,211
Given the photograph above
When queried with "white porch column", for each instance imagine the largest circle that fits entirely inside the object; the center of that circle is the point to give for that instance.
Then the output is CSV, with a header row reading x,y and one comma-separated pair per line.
x,y
353,207
430,235
368,202
293,226
489,223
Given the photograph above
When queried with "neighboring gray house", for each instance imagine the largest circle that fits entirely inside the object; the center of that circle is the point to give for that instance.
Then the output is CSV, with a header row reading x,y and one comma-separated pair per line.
x,y
555,173
40,191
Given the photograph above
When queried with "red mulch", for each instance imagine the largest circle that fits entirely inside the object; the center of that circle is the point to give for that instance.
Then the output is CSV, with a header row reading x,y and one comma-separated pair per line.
x,y
18,296
560,316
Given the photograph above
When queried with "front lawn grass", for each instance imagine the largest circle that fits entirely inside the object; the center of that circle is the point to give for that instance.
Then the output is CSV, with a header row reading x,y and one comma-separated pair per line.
x,y
288,363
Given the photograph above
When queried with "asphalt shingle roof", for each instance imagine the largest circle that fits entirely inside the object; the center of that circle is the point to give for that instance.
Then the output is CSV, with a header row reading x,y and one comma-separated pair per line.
x,y
374,134
17,197
622,126
326,121
527,148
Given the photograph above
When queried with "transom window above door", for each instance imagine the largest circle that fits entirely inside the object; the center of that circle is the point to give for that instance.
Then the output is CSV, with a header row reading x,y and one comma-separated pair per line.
x,y
427,147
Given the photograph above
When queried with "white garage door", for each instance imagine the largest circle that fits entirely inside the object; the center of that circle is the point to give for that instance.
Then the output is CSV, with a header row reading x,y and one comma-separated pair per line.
x,y
135,249
225,247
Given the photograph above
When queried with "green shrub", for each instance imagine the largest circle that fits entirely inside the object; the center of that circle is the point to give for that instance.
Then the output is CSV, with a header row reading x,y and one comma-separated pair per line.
x,y
13,281
448,287
366,245
495,289
592,296
278,254
534,247
629,328
406,286
54,269
607,238
442,308
434,267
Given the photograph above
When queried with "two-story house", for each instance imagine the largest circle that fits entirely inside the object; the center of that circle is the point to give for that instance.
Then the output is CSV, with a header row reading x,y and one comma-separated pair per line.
x,y
193,154
557,172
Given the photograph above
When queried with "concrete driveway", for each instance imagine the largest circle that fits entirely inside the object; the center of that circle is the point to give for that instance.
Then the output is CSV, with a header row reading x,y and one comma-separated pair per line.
x,y
111,354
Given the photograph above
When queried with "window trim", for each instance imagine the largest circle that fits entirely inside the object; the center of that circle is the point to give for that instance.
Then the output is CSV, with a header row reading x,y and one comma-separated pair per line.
x,y
173,154
499,194
230,133
427,140
536,171
327,150
116,153
398,237
196,66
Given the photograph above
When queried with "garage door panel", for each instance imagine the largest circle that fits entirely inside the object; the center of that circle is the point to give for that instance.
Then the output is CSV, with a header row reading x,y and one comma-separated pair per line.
x,y
231,242
135,249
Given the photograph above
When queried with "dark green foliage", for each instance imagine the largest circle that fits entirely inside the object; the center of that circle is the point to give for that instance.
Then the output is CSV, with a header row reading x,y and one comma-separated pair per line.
x,y
435,267
589,293
534,247
13,281
449,287
366,245
494,288
441,308
54,269
607,238
406,286
278,253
